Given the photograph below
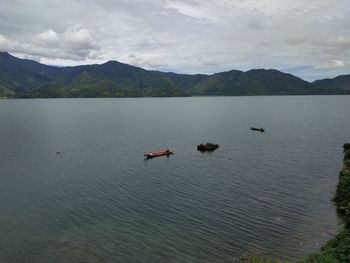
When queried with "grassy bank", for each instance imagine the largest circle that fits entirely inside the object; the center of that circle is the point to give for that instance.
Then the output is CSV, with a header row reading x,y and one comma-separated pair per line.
x,y
337,250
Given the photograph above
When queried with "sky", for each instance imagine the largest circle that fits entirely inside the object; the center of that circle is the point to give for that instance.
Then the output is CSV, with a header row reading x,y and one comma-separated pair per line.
x,y
308,38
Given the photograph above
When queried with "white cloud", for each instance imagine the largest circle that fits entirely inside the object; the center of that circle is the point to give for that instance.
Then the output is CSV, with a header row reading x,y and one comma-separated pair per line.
x,y
4,43
189,36
79,37
333,64
194,10
48,37
75,43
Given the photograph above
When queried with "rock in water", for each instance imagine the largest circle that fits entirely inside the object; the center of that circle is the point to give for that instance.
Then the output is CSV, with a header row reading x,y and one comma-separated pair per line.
x,y
208,147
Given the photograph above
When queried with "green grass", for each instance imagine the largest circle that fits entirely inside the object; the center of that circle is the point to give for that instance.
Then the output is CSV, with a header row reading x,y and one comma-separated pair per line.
x,y
336,250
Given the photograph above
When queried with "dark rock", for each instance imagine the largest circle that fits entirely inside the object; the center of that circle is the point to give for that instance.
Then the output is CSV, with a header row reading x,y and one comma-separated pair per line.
x,y
209,147
347,153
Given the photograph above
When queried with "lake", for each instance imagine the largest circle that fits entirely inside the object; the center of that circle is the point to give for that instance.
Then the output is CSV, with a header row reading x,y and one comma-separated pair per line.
x,y
97,200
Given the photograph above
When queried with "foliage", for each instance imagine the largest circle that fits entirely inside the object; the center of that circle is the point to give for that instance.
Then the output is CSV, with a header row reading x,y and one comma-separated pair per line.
x,y
342,197
26,78
337,250
253,82
5,92
338,85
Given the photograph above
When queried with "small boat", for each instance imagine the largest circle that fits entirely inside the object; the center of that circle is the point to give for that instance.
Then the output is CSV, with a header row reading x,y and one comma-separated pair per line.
x,y
257,129
167,152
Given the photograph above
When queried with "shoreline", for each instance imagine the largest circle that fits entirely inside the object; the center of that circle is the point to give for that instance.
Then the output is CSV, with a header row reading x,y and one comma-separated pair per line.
x,y
338,248
167,97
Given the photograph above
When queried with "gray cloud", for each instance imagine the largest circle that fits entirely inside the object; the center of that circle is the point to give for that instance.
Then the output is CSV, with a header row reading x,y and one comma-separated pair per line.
x,y
189,36
255,25
336,45
294,41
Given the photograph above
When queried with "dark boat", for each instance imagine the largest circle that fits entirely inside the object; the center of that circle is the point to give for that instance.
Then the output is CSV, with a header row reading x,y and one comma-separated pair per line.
x,y
257,129
158,154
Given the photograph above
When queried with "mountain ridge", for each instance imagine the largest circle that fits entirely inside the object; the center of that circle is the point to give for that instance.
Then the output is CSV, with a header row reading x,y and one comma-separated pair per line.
x,y
21,78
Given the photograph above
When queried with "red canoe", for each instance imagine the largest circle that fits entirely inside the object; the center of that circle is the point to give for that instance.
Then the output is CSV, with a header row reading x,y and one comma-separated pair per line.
x,y
158,154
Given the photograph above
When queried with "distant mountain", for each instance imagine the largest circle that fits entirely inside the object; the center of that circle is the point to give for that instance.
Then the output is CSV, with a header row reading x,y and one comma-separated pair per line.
x,y
27,78
253,82
338,85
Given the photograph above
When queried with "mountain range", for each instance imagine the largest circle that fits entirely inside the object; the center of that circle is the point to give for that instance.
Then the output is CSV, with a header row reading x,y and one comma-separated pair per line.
x,y
22,78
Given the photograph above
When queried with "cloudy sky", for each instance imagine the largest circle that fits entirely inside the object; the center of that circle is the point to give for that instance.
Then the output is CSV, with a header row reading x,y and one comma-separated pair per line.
x,y
309,38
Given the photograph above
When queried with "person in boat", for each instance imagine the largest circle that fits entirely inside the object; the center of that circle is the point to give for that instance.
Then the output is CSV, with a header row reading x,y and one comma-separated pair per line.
x,y
169,151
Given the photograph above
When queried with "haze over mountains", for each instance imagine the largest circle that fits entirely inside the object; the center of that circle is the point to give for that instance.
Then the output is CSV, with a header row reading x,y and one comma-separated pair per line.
x,y
27,78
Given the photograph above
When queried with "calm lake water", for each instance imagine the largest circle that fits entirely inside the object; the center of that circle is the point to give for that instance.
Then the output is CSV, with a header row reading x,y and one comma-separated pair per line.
x,y
99,201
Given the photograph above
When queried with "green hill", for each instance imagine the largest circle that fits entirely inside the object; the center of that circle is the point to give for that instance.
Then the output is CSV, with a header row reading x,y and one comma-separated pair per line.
x,y
253,82
26,78
338,85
